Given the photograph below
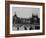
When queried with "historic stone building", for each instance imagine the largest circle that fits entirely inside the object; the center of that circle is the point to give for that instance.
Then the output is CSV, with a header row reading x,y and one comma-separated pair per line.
x,y
23,23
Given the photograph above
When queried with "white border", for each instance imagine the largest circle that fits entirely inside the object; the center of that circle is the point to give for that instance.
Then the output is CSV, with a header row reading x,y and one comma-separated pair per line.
x,y
32,31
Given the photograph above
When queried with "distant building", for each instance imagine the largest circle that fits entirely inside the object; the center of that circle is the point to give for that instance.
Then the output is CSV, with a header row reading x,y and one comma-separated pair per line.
x,y
33,20
24,24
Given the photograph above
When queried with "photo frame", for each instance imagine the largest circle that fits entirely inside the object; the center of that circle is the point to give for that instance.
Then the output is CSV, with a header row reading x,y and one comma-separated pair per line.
x,y
24,18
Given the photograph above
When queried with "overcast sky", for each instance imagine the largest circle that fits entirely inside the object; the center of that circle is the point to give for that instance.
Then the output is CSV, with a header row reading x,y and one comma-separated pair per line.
x,y
25,12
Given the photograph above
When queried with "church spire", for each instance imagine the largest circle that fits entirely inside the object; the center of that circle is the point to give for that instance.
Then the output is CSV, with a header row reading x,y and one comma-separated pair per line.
x,y
15,14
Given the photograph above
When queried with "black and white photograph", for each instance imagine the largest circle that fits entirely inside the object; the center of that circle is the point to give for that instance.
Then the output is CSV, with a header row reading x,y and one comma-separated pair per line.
x,y
26,18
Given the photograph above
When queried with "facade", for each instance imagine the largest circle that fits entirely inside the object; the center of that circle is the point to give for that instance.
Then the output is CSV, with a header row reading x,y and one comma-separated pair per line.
x,y
33,20
26,24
